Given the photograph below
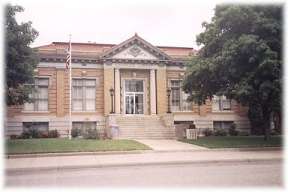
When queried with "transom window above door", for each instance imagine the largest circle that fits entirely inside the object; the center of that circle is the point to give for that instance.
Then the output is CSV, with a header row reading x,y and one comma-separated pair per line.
x,y
134,85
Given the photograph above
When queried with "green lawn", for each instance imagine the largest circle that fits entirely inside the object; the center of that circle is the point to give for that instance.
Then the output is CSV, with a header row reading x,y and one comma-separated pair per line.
x,y
19,146
235,141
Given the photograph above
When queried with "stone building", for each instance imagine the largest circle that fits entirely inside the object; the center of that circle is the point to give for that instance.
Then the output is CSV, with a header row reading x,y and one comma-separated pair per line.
x,y
125,85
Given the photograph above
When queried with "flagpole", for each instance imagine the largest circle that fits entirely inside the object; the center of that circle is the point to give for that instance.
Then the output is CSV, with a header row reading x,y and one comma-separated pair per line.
x,y
70,88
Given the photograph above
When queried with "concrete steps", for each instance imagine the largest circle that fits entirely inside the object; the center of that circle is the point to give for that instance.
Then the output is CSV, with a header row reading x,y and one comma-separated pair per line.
x,y
143,127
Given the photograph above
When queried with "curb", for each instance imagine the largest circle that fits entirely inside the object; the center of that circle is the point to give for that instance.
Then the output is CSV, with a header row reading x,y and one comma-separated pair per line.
x,y
250,149
76,167
32,155
15,156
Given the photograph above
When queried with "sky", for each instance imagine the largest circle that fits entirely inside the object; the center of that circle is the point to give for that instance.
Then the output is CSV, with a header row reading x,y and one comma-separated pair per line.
x,y
162,23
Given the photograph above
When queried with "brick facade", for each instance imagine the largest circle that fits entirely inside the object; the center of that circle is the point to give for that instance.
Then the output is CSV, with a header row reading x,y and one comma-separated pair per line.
x,y
94,61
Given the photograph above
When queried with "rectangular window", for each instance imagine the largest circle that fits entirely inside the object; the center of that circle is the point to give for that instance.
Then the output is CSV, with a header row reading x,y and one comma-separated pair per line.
x,y
39,95
83,94
222,124
39,126
178,97
175,95
186,105
82,127
221,103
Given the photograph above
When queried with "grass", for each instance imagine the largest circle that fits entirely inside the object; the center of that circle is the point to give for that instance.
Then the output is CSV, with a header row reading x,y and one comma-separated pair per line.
x,y
21,146
235,141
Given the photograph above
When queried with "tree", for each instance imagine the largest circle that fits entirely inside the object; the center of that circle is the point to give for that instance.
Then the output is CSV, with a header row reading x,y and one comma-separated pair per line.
x,y
241,58
20,59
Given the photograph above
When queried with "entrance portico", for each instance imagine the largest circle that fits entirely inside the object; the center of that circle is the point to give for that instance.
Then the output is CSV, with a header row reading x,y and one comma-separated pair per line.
x,y
135,91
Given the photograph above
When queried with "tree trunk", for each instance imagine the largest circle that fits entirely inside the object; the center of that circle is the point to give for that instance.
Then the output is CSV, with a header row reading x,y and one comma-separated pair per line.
x,y
277,122
267,125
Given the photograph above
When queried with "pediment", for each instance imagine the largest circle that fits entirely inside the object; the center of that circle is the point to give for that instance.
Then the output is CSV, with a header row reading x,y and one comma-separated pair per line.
x,y
136,48
134,52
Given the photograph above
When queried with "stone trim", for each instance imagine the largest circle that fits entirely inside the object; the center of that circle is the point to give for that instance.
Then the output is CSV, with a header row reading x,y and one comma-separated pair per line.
x,y
60,63
141,43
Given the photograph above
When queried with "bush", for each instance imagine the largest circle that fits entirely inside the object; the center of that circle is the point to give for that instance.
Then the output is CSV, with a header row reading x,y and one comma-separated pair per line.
x,y
53,134
208,132
232,130
90,134
44,134
75,132
13,136
35,133
275,132
243,133
220,132
25,135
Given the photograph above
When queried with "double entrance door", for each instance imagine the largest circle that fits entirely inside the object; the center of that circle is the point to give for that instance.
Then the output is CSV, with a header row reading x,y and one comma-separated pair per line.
x,y
134,96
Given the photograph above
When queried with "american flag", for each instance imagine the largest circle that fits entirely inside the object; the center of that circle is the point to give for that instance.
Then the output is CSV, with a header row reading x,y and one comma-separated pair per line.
x,y
68,58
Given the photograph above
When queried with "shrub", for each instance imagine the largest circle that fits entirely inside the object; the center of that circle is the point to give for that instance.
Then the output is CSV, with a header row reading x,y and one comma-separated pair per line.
x,y
35,133
232,130
275,132
208,132
75,132
220,132
243,133
43,134
90,134
25,135
53,134
14,136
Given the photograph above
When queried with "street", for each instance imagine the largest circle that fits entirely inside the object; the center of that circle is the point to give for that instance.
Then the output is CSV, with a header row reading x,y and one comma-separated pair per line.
x,y
229,174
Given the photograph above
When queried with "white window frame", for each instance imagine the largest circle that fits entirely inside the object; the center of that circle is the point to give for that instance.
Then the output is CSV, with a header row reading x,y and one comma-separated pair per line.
x,y
36,100
84,94
181,104
219,100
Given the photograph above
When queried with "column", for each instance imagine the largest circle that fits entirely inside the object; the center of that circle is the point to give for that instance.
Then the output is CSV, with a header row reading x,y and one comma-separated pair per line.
x,y
60,96
108,84
161,91
117,91
152,92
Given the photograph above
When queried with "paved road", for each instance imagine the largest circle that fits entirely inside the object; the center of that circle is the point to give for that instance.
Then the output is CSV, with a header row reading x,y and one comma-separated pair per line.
x,y
260,174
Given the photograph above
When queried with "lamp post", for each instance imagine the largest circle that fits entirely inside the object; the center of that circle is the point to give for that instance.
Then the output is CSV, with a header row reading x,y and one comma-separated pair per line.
x,y
112,94
168,95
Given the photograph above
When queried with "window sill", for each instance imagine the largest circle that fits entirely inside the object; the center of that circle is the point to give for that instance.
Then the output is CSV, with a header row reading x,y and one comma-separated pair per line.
x,y
35,111
230,111
83,111
183,111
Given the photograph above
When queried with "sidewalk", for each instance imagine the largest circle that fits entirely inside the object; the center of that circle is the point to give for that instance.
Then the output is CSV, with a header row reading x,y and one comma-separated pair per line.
x,y
169,145
97,161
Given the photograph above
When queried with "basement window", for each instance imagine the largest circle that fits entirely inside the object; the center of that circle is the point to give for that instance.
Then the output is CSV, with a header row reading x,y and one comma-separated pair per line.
x,y
222,124
81,127
39,126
